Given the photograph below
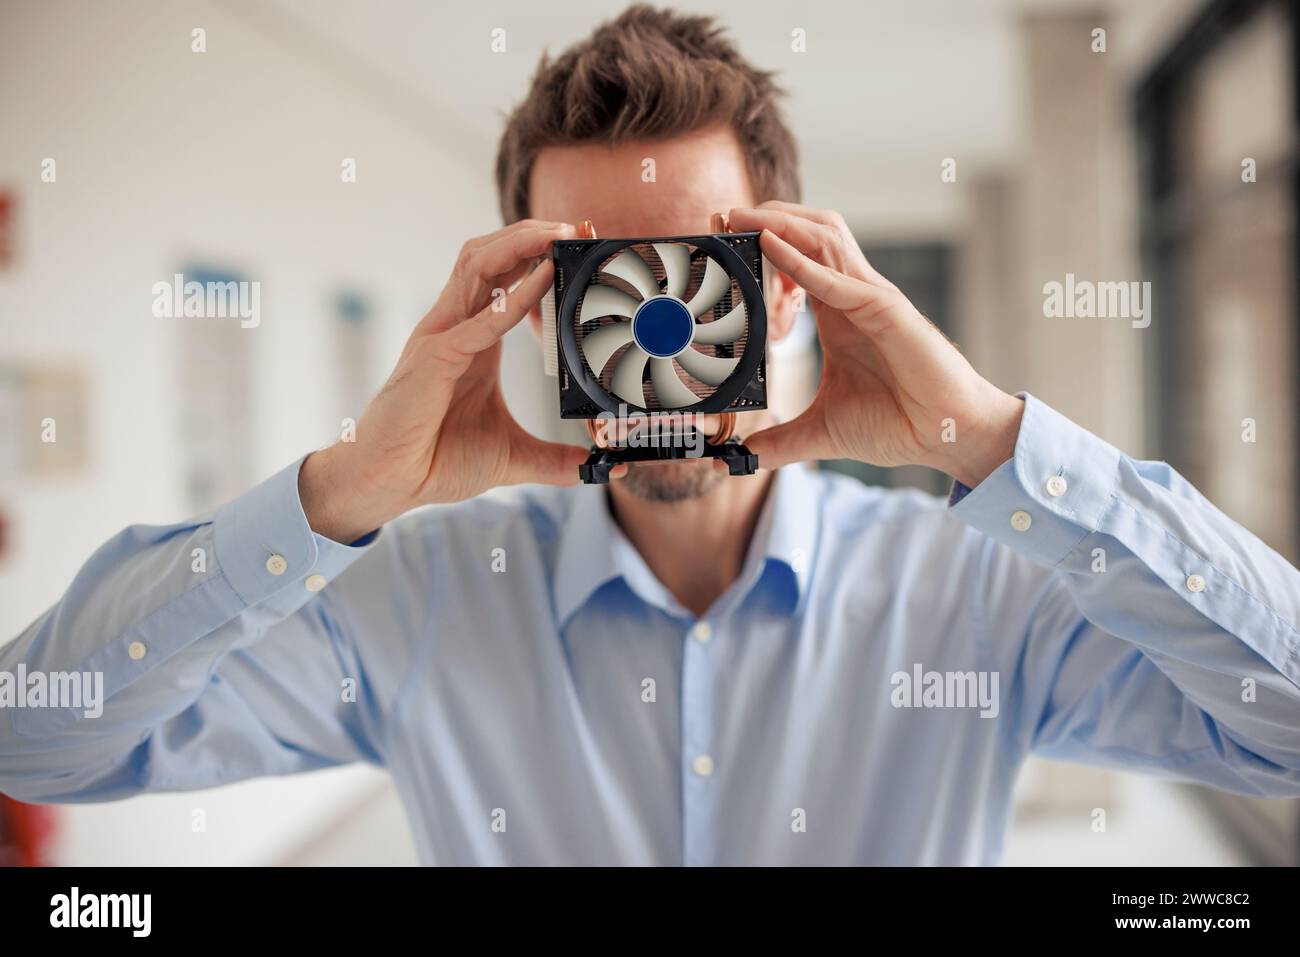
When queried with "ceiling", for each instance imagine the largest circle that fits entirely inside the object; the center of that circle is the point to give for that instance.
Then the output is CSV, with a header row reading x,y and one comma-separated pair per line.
x,y
885,91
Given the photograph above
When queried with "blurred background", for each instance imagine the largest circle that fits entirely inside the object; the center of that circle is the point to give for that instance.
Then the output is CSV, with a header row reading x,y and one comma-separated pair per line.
x,y
979,148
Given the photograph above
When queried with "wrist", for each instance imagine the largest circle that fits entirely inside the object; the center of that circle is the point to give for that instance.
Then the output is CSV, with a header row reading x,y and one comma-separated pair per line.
x,y
987,442
334,500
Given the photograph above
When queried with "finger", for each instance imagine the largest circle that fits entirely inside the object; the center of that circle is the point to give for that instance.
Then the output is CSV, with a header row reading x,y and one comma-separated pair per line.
x,y
826,244
826,217
507,252
514,227
831,287
511,277
835,222
812,239
551,463
486,329
799,440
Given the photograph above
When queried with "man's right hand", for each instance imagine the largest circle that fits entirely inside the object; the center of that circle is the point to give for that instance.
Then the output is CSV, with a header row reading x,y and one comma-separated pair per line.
x,y
439,430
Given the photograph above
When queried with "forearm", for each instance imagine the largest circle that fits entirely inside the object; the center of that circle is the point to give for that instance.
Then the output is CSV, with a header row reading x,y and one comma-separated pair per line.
x,y
1148,560
140,632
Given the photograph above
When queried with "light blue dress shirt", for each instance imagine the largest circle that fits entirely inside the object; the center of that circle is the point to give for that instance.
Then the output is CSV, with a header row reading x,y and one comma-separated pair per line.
x,y
540,698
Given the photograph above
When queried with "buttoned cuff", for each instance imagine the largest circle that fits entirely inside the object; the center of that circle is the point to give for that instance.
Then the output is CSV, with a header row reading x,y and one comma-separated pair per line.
x,y
1052,492
265,545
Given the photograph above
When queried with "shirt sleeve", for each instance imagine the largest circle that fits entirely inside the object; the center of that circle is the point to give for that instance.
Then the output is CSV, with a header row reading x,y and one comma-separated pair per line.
x,y
1164,637
206,652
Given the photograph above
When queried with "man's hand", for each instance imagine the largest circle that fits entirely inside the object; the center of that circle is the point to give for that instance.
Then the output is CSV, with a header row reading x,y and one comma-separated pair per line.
x,y
439,430
890,379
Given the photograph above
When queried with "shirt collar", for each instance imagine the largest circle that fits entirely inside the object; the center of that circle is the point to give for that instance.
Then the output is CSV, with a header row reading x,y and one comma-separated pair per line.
x,y
786,534
593,550
585,559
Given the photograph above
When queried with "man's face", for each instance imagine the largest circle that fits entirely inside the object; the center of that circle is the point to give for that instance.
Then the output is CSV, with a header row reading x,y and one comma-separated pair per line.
x,y
695,175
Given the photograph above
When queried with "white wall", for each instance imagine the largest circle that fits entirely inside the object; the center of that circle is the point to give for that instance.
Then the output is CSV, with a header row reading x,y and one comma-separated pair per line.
x,y
233,157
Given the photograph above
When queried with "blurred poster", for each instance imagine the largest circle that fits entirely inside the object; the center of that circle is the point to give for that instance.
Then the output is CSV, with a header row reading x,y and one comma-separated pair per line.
x,y
353,320
8,227
11,421
27,833
214,395
43,427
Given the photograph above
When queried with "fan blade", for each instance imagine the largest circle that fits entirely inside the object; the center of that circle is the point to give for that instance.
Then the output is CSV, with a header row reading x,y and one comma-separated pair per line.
x,y
605,301
677,267
604,342
626,383
712,370
716,282
631,268
727,329
669,387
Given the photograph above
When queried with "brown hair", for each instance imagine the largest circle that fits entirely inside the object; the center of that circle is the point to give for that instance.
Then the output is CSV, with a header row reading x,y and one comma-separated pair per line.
x,y
648,74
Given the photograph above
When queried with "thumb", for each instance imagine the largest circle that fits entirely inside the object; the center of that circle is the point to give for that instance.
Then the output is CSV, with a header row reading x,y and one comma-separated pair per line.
x,y
798,440
551,463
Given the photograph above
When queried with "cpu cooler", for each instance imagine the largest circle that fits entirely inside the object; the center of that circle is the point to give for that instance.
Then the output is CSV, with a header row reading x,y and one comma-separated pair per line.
x,y
656,328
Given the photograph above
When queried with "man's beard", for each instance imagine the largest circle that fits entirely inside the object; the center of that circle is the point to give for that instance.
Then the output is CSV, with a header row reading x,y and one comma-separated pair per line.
x,y
671,481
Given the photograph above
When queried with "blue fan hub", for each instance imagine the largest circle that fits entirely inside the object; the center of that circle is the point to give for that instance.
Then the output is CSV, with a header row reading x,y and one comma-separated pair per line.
x,y
663,326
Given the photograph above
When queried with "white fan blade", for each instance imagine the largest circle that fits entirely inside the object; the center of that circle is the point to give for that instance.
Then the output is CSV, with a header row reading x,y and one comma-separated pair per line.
x,y
604,342
631,268
606,301
626,383
712,370
669,387
714,285
727,329
677,267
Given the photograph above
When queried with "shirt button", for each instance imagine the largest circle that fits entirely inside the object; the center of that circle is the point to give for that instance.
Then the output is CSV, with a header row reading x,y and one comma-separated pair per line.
x,y
136,650
315,582
702,765
1021,520
276,565
1195,583
702,631
1056,486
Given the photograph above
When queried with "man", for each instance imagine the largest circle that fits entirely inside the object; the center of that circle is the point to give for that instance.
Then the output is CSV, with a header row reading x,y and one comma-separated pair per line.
x,y
688,668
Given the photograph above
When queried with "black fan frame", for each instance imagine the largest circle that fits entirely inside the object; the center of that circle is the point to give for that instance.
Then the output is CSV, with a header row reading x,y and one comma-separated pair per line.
x,y
576,261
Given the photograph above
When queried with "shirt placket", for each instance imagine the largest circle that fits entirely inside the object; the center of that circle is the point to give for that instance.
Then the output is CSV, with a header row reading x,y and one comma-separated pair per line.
x,y
698,756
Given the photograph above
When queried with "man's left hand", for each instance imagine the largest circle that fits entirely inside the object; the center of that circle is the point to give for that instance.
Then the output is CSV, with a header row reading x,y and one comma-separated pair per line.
x,y
894,390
